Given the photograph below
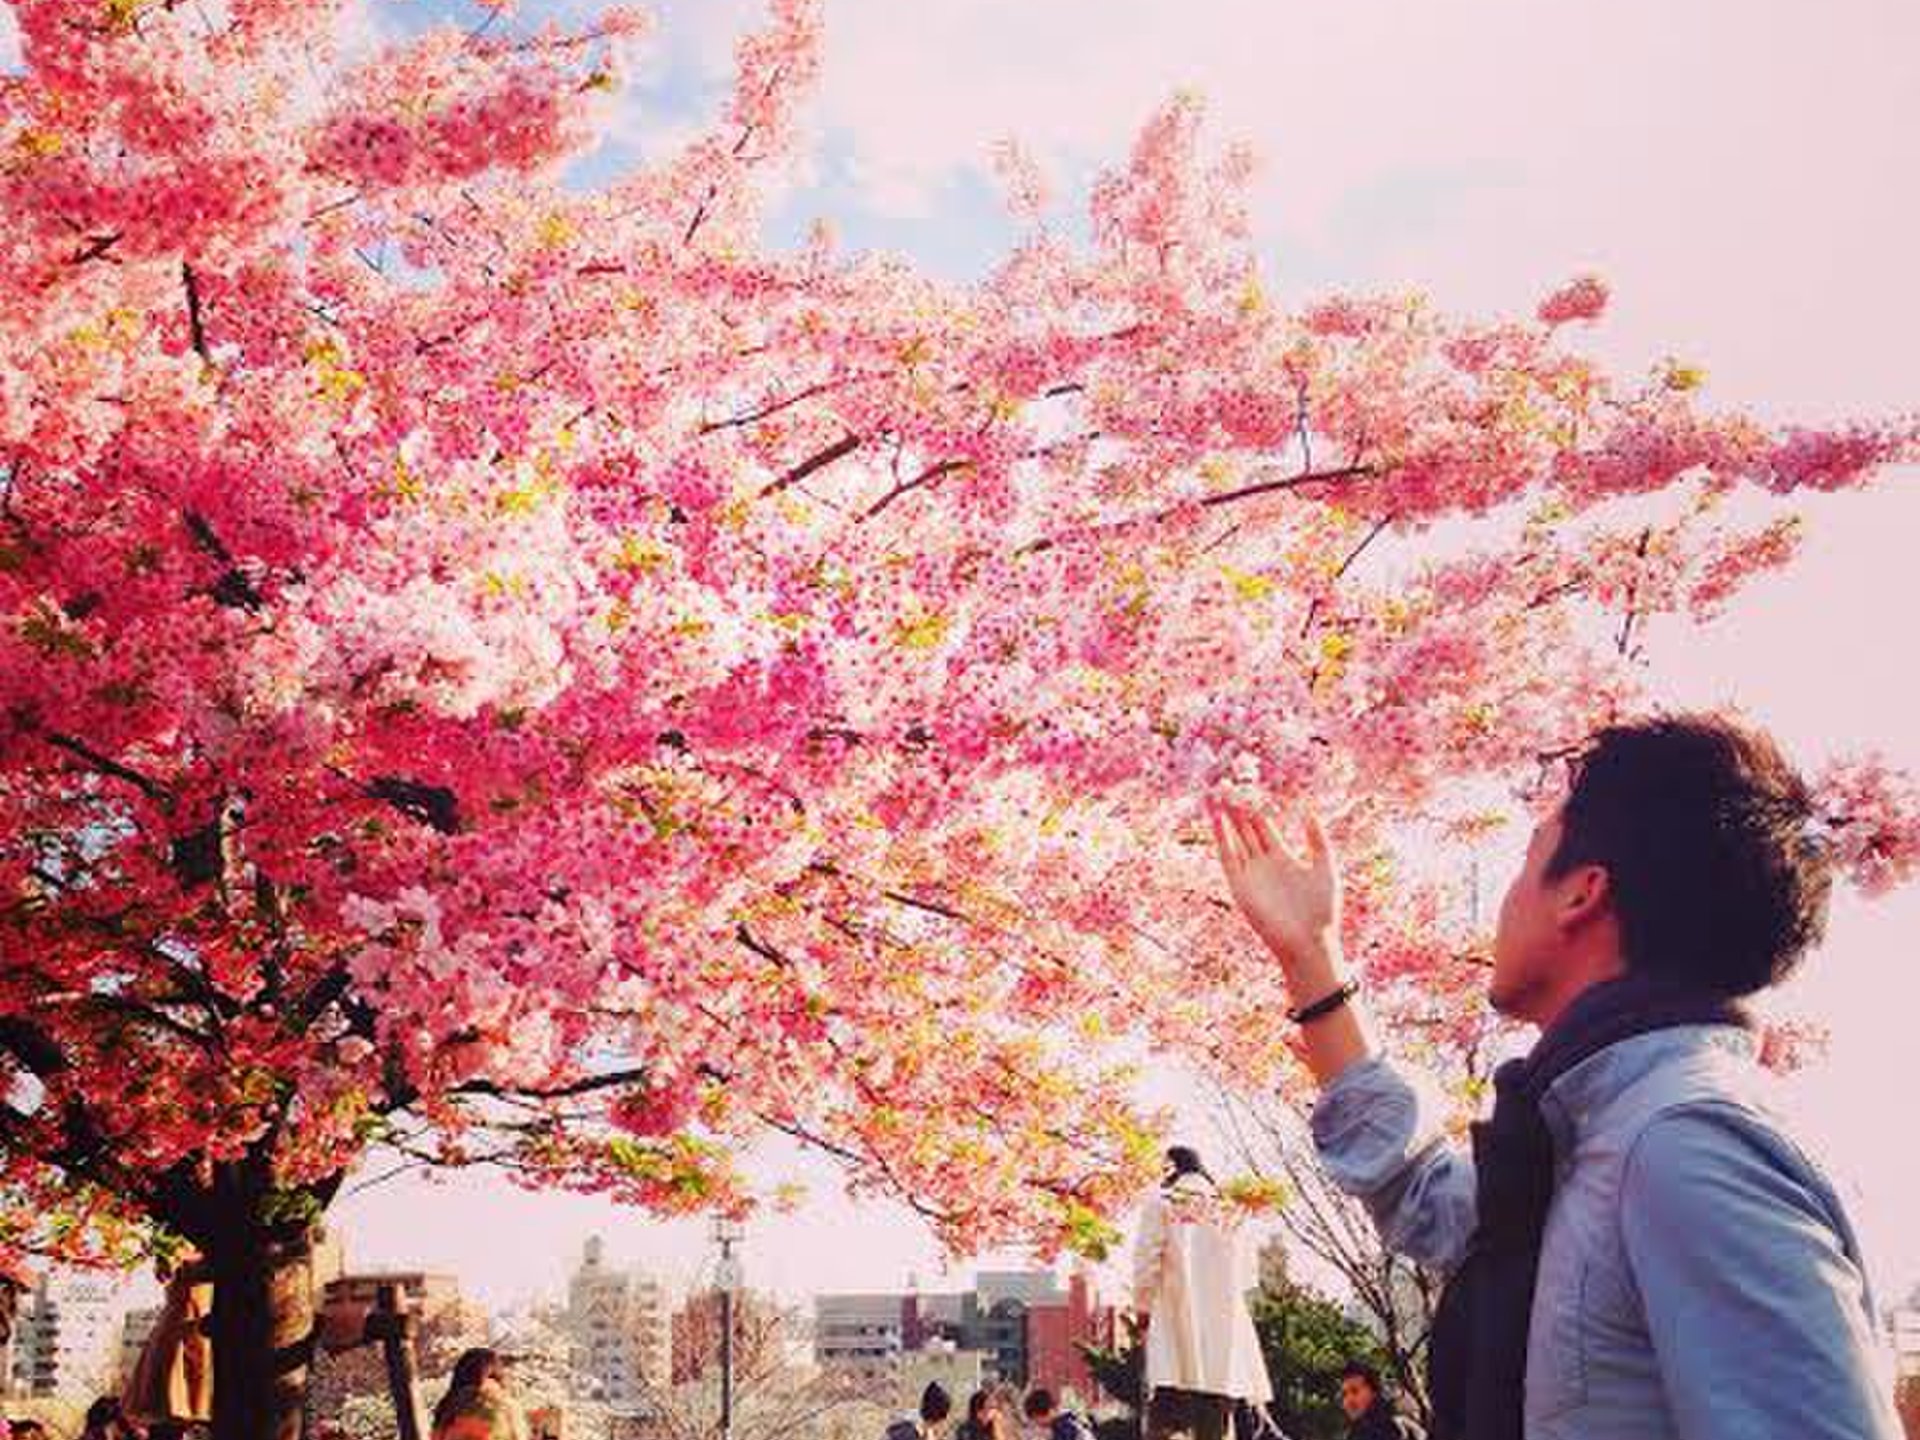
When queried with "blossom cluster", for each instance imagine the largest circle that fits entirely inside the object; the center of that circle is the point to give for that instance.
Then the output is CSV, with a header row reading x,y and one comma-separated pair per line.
x,y
541,678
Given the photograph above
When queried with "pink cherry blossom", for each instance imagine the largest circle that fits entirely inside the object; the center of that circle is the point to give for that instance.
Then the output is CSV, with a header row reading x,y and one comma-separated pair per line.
x,y
540,678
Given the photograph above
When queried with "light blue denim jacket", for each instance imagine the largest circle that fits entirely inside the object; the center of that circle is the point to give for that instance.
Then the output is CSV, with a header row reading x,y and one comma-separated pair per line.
x,y
1699,1276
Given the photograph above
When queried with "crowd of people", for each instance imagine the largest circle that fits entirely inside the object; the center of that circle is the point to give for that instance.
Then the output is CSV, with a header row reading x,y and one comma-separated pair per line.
x,y
992,1414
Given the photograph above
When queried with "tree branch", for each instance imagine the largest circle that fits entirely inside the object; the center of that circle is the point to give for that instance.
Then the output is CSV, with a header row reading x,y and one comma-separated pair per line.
x,y
814,463
611,1080
776,406
233,589
196,320
432,805
1229,497
926,477
106,765
1290,482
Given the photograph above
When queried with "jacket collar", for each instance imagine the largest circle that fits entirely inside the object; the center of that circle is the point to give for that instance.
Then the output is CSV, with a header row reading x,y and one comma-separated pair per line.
x,y
1572,1101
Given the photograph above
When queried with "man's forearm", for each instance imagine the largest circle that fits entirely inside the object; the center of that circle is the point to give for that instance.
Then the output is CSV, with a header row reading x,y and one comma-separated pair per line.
x,y
1344,1035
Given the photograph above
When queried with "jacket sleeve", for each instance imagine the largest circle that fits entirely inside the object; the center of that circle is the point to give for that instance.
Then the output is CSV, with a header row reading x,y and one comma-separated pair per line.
x,y
1148,1251
1379,1133
1757,1305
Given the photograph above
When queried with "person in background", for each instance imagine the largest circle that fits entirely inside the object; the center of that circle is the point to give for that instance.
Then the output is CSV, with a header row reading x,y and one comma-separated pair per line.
x,y
171,1386
1191,1275
1370,1414
986,1419
1255,1422
936,1408
106,1421
479,1403
1044,1413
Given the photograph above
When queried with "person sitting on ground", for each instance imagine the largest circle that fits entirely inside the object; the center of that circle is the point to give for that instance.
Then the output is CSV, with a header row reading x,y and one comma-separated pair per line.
x,y
1043,1409
107,1421
984,1419
479,1404
936,1406
1370,1413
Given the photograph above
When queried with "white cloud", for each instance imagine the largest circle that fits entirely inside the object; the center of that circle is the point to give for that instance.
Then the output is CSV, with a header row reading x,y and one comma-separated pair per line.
x,y
1703,156
10,58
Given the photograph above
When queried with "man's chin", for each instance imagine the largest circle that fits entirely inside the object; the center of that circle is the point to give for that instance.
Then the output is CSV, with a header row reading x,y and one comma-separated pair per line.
x,y
1513,1001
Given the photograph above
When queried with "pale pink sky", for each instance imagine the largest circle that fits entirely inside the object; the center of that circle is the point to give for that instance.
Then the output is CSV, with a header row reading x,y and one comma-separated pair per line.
x,y
1743,175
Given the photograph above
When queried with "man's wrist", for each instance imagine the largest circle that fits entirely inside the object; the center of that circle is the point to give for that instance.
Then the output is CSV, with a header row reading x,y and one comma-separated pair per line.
x,y
1314,972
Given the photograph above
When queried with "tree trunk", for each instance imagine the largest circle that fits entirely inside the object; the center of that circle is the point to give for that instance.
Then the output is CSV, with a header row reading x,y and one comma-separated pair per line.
x,y
261,1326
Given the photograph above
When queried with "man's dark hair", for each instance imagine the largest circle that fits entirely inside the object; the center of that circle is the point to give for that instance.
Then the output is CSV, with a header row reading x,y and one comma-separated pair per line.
x,y
1040,1403
1704,831
1361,1370
935,1403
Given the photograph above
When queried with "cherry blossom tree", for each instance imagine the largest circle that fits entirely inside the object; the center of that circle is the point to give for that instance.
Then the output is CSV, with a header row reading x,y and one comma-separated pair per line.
x,y
496,673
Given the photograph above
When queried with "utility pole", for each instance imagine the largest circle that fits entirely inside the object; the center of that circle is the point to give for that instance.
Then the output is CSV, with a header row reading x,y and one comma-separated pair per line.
x,y
727,1233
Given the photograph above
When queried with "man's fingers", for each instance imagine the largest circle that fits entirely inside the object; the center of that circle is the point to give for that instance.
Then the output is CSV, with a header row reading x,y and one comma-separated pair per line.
x,y
1224,839
1276,843
1318,848
1246,824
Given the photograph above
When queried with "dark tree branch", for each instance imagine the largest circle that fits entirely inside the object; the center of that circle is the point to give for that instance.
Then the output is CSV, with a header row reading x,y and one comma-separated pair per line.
x,y
96,248
233,589
774,407
1279,485
107,765
927,476
611,1080
196,319
433,805
814,463
1290,482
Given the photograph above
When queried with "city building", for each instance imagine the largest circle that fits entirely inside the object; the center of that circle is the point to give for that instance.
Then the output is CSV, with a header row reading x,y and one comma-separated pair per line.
x,y
136,1328
991,1319
66,1336
860,1338
1029,1287
1056,1332
619,1325
997,1328
1000,1319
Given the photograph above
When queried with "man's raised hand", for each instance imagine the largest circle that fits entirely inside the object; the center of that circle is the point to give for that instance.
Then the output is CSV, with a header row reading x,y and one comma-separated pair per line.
x,y
1291,898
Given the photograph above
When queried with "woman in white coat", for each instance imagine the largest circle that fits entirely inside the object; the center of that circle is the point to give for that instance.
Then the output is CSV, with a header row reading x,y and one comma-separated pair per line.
x,y
1191,1273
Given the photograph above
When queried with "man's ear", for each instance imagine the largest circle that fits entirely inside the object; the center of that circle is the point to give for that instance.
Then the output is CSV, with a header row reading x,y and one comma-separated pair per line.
x,y
1584,892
